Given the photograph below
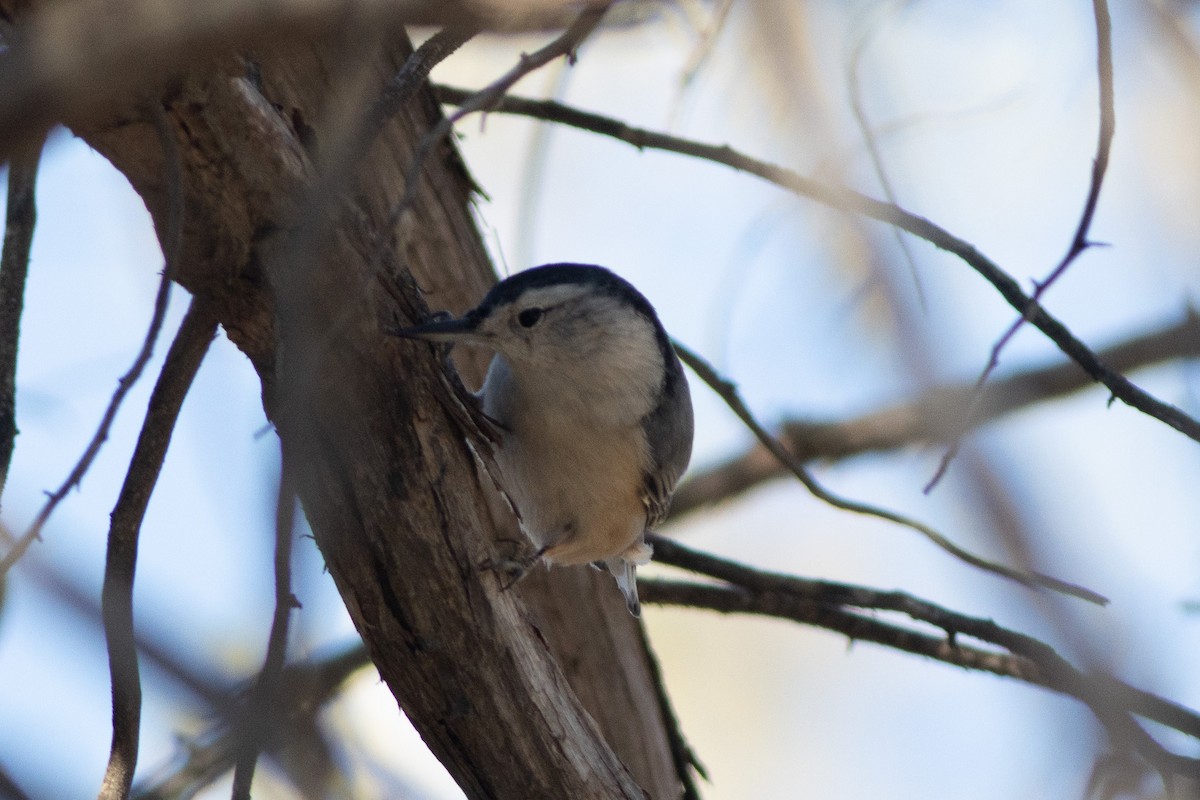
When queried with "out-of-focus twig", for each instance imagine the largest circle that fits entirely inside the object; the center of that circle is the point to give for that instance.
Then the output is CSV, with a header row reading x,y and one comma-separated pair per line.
x,y
932,417
262,711
707,36
9,788
304,690
870,140
728,392
1079,241
851,201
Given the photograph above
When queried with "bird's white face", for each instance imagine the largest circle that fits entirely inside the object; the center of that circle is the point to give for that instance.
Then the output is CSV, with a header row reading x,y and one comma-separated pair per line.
x,y
583,346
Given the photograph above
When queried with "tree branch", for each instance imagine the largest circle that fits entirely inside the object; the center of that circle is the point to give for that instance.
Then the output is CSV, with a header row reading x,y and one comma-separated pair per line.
x,y
855,202
486,98
21,217
825,604
127,381
183,361
728,392
1079,242
304,689
928,418
174,380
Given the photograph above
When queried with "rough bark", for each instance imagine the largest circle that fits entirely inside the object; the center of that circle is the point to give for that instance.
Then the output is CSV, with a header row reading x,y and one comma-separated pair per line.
x,y
394,495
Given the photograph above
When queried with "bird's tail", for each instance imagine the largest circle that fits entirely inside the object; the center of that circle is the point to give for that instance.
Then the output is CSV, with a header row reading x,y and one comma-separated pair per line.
x,y
626,574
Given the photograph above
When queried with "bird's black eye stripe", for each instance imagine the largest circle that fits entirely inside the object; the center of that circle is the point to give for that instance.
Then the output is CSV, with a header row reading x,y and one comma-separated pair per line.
x,y
530,317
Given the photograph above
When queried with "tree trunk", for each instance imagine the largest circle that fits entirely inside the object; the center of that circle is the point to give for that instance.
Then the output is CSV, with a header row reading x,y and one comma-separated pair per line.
x,y
371,430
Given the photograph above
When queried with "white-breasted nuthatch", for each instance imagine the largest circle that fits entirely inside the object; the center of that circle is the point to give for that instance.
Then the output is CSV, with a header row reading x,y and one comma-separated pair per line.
x,y
593,408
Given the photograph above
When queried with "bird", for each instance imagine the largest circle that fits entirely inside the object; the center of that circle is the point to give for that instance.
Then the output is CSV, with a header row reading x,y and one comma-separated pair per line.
x,y
594,415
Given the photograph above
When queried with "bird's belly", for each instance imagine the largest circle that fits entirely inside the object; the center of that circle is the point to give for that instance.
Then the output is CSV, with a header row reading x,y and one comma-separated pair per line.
x,y
580,503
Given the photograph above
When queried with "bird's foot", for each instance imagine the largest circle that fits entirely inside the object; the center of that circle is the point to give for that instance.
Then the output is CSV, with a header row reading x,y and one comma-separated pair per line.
x,y
511,568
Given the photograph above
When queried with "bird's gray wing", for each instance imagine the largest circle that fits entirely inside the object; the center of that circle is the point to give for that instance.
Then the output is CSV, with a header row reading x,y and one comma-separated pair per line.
x,y
668,431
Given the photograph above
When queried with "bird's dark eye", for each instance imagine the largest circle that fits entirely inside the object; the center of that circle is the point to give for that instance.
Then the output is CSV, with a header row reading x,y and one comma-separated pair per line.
x,y
530,317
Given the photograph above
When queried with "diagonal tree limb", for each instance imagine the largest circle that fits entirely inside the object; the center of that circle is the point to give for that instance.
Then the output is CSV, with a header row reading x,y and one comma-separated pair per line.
x,y
728,392
927,419
21,218
851,201
1079,241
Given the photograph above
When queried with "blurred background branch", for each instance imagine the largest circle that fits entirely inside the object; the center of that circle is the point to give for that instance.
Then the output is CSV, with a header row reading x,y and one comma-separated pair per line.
x,y
932,418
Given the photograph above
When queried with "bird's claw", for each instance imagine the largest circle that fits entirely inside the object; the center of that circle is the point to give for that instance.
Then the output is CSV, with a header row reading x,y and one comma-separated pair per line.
x,y
512,568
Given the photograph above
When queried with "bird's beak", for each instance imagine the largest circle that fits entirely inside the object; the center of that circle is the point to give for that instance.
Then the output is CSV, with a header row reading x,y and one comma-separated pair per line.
x,y
450,331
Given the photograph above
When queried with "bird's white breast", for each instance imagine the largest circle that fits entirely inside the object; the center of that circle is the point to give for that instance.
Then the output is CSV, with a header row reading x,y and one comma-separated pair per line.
x,y
573,462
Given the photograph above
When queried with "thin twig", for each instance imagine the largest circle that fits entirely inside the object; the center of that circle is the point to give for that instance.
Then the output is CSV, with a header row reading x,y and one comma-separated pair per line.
x,y
127,381
262,712
217,698
728,392
20,220
487,98
306,688
336,175
924,420
858,203
703,48
826,604
1079,241
854,89
179,370
204,685
413,75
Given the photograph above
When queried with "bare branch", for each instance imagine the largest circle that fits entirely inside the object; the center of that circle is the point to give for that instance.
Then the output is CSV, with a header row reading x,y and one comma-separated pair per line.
x,y
260,719
1079,242
858,203
927,418
708,34
183,360
854,88
127,381
488,97
21,217
825,604
413,75
304,689
728,392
